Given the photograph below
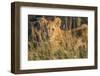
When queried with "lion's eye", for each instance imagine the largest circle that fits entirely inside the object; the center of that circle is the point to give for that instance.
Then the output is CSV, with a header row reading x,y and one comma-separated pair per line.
x,y
52,29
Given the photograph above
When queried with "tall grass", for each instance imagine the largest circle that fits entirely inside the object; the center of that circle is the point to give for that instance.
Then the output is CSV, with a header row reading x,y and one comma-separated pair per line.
x,y
72,45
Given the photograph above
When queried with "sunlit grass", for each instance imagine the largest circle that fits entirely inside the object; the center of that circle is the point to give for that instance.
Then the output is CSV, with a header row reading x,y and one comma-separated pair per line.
x,y
72,45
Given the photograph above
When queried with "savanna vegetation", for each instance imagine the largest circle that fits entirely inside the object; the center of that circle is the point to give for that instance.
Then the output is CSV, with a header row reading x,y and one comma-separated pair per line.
x,y
57,37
